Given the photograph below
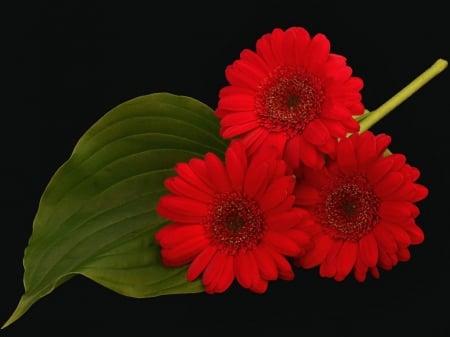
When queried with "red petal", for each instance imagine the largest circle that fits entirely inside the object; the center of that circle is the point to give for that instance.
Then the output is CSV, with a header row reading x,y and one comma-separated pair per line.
x,y
273,199
277,40
264,50
250,70
421,193
384,239
259,286
238,118
335,112
288,47
245,268
200,262
230,90
340,74
346,156
368,250
366,148
184,252
300,237
238,129
186,172
174,234
236,77
181,187
213,271
346,260
316,133
379,169
416,234
226,277
302,39
374,272
404,254
335,128
389,184
181,209
318,51
406,192
309,155
253,139
266,264
285,271
282,243
251,57
400,235
277,192
396,211
317,253
328,266
360,270
198,166
238,102
306,195
285,220
256,179
292,152
217,173
284,206
236,164
382,141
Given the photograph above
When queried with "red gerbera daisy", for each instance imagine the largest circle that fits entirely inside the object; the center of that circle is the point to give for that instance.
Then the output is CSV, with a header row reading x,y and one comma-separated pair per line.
x,y
363,205
232,220
291,92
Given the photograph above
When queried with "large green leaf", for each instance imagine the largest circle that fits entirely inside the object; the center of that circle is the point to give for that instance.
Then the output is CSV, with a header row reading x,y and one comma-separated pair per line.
x,y
97,215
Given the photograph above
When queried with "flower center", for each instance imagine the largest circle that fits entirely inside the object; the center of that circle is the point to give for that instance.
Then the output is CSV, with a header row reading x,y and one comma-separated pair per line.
x,y
288,100
235,221
350,208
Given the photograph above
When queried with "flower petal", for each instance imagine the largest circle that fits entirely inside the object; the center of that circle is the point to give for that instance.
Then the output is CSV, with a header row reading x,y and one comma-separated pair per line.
x,y
282,243
277,192
181,209
389,184
346,260
316,133
236,164
226,277
182,188
368,250
175,234
217,173
185,252
266,264
213,271
316,255
328,267
245,268
200,262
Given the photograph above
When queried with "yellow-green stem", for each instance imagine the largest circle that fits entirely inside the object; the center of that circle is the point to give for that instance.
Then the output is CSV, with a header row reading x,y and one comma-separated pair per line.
x,y
376,115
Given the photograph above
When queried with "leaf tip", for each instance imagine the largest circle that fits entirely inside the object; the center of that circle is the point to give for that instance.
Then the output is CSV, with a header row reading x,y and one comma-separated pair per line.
x,y
22,307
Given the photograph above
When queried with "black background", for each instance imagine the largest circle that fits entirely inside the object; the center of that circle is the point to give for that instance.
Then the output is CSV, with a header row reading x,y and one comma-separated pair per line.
x,y
68,63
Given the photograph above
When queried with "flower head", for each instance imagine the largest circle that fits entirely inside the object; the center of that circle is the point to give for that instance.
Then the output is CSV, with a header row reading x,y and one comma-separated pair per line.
x,y
232,220
292,93
363,206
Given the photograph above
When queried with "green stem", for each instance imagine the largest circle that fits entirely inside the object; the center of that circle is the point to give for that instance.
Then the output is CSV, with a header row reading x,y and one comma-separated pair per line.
x,y
376,115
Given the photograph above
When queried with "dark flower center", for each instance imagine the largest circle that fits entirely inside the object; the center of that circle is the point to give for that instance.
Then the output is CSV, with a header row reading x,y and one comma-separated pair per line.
x,y
288,100
350,208
235,221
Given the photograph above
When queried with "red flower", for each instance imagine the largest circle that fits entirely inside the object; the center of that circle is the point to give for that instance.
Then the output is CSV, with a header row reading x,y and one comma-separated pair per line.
x,y
363,205
291,92
232,220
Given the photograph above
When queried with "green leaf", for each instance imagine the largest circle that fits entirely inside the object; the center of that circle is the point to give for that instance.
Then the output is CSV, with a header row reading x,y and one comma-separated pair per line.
x,y
97,215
